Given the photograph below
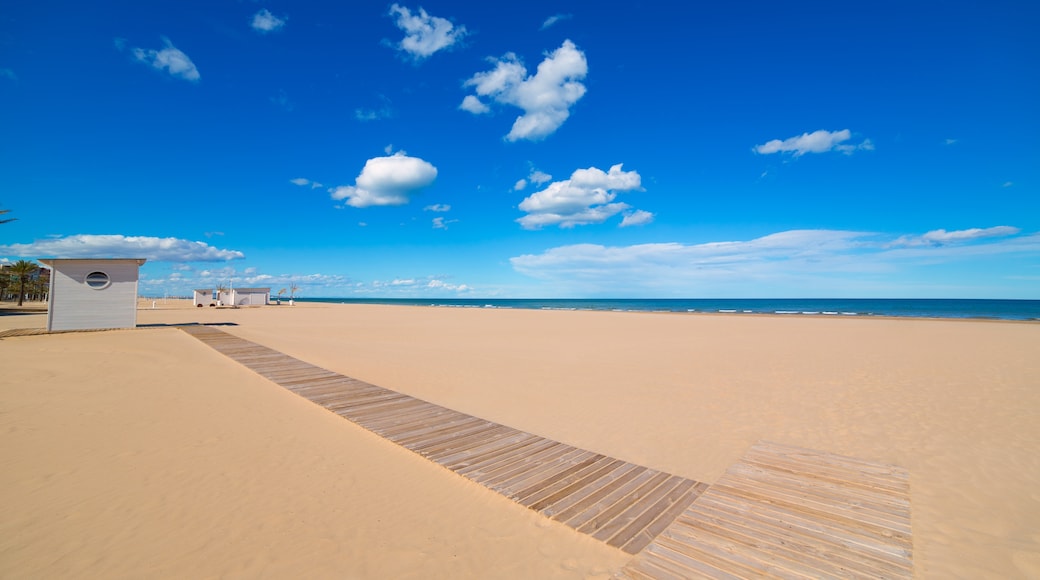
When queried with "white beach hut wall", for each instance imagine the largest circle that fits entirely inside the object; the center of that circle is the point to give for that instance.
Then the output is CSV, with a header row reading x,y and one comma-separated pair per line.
x,y
92,293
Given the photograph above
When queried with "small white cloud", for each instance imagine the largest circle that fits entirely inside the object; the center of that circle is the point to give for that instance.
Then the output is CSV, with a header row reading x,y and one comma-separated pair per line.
x,y
539,177
536,177
442,285
264,22
545,98
438,207
440,223
384,111
555,19
8,74
943,237
586,198
169,59
387,181
815,142
303,181
473,105
950,141
118,246
1008,184
371,114
637,218
424,34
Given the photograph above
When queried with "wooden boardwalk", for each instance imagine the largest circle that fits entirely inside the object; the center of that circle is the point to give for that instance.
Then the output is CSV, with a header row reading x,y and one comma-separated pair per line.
x,y
781,512
622,504
786,512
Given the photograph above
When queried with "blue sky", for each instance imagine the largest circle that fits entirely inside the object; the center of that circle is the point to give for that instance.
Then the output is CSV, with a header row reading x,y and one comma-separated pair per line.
x,y
535,149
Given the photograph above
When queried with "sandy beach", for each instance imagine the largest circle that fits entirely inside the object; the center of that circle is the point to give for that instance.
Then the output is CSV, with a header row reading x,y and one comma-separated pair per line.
x,y
144,453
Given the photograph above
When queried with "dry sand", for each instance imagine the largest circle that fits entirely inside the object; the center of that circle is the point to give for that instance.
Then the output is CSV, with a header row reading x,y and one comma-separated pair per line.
x,y
146,454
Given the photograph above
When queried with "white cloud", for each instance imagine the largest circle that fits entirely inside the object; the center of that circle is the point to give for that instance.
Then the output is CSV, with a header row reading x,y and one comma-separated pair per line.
x,y
554,19
1008,184
473,105
384,111
364,115
545,98
387,181
950,141
303,181
536,177
586,198
539,177
943,237
798,263
440,223
438,207
427,286
118,246
425,34
170,59
264,22
637,218
815,142
8,74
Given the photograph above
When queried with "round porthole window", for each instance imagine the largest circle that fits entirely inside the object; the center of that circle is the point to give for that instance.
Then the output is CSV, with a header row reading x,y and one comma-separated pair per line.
x,y
98,280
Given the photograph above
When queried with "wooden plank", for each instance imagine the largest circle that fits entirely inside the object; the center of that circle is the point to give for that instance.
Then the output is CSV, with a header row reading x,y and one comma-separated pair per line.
x,y
819,552
523,463
463,442
438,441
586,521
538,480
488,452
667,517
440,423
771,520
612,518
576,503
568,483
662,505
421,435
480,445
478,467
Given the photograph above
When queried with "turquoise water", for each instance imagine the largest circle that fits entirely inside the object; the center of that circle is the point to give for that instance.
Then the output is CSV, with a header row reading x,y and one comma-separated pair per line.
x,y
914,308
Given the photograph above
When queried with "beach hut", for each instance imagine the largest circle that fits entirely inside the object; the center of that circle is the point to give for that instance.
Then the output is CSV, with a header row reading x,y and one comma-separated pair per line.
x,y
92,293
204,297
246,297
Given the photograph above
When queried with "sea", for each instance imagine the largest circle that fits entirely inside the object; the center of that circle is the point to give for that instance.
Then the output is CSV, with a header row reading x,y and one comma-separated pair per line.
x,y
838,307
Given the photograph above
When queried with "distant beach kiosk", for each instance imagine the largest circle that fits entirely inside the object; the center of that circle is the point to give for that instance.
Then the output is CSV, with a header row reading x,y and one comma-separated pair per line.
x,y
247,296
204,297
87,294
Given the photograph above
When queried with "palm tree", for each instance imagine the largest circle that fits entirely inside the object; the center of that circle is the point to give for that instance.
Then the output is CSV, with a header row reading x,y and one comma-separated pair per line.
x,y
2,212
23,270
292,292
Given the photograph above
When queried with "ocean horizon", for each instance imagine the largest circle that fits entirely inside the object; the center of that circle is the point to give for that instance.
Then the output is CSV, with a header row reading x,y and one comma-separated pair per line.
x,y
986,309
